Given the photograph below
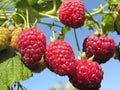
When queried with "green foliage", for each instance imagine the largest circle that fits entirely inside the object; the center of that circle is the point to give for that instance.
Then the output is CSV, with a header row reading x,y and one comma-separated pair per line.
x,y
107,23
31,2
44,6
6,4
13,70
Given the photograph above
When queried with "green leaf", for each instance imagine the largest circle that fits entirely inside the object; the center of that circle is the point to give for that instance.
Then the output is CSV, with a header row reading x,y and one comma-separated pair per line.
x,y
64,31
22,4
107,23
6,4
13,70
44,6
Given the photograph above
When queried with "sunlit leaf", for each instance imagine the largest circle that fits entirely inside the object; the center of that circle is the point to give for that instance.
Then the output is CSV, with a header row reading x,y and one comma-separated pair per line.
x,y
6,4
107,23
46,5
13,70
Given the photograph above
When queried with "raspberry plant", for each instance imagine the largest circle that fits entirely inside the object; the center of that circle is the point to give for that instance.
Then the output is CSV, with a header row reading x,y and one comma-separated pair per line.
x,y
66,15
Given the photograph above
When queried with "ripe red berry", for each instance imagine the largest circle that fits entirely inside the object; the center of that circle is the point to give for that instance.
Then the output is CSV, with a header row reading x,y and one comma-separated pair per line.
x,y
102,47
31,44
118,8
72,13
87,75
59,57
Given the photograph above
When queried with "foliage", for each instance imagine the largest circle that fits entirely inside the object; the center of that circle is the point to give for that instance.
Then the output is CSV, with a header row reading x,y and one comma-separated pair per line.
x,y
13,70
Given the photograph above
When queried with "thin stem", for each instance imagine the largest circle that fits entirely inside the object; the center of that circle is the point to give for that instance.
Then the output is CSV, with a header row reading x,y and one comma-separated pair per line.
x,y
52,12
8,19
99,11
50,16
27,18
52,39
51,24
77,42
95,23
25,23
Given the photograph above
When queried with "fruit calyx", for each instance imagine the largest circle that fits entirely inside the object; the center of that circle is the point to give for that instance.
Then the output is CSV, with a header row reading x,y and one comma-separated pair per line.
x,y
83,56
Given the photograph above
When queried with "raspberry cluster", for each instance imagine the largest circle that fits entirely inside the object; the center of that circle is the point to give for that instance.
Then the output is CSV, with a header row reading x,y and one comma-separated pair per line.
x,y
58,56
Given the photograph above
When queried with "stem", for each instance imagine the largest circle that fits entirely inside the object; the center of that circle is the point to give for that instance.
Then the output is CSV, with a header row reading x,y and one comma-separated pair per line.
x,y
8,19
51,24
52,12
27,18
95,22
99,11
52,39
77,42
47,15
21,87
25,23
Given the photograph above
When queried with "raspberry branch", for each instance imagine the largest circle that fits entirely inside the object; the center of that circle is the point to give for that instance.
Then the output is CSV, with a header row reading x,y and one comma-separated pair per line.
x,y
53,11
99,11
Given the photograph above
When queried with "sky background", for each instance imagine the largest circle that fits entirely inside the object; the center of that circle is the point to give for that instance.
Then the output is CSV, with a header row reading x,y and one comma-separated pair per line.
x,y
47,79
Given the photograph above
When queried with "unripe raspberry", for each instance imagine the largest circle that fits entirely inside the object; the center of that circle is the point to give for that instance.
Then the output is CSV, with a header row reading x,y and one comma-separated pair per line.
x,y
15,34
5,36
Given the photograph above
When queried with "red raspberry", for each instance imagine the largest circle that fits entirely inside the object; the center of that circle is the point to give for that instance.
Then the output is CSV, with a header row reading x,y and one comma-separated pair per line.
x,y
118,8
31,44
72,13
102,47
59,57
87,75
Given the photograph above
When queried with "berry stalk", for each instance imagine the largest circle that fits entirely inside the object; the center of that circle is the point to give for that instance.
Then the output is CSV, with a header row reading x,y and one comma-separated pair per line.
x,y
79,52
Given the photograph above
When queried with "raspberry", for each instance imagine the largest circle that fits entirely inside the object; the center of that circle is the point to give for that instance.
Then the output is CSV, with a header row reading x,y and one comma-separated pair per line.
x,y
59,57
87,75
102,47
31,44
15,34
118,8
5,36
72,13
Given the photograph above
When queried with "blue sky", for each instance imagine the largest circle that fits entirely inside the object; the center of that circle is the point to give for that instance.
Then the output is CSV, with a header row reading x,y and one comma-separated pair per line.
x,y
47,79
